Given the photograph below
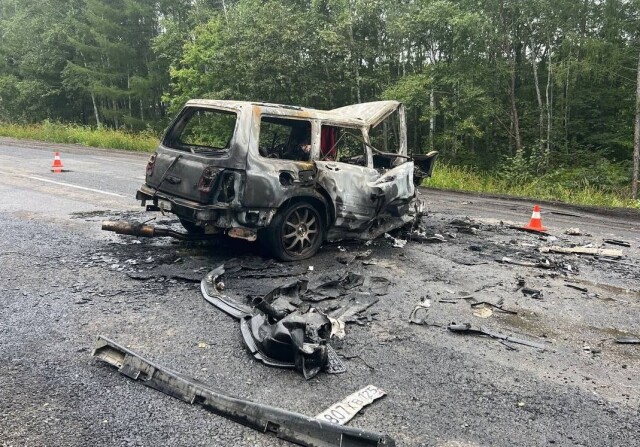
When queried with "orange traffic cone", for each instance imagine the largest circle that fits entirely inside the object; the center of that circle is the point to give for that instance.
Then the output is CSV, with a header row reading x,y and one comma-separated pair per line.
x,y
535,224
56,167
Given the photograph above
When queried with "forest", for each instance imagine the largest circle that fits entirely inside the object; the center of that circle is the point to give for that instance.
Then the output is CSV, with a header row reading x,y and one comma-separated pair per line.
x,y
527,90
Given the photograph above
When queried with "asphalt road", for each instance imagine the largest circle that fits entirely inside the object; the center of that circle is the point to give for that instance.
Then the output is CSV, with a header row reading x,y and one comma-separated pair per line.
x,y
63,281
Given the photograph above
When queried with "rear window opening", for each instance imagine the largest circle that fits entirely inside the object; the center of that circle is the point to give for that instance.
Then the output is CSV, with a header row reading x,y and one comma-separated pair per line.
x,y
202,131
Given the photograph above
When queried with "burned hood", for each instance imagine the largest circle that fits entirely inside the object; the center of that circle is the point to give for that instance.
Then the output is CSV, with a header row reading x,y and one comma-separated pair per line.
x,y
371,113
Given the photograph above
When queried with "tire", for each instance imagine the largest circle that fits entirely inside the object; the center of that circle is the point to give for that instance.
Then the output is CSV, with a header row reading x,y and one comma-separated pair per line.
x,y
191,227
296,232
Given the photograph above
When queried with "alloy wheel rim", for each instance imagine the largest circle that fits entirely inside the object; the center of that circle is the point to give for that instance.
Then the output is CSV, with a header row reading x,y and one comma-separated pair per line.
x,y
300,231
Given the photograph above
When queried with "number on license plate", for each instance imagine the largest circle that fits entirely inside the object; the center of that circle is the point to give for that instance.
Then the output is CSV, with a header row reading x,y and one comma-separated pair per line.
x,y
343,411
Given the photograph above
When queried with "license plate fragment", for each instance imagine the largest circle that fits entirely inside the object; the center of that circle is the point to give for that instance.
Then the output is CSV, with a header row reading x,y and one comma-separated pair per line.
x,y
343,411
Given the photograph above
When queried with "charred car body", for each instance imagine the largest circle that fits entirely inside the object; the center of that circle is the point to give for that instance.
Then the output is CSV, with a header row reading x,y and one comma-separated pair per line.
x,y
290,176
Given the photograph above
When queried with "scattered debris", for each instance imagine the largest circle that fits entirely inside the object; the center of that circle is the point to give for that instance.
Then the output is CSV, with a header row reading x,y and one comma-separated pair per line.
x,y
573,286
421,308
364,254
351,312
617,242
466,225
343,411
210,287
397,243
466,328
628,340
421,236
583,251
293,427
168,271
591,350
533,293
285,328
540,264
573,232
298,340
346,258
497,306
482,312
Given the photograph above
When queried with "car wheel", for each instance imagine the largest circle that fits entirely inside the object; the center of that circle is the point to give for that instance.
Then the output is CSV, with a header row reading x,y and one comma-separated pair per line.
x,y
191,227
296,232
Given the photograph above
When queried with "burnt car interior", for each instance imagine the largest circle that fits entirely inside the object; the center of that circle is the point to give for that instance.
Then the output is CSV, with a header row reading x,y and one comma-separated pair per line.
x,y
203,131
285,139
342,144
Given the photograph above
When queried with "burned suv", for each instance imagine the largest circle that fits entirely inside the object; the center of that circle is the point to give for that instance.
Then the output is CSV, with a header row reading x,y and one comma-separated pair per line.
x,y
289,176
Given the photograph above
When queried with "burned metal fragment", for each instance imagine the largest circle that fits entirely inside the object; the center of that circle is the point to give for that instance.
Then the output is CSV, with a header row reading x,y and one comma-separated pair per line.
x,y
211,291
466,328
293,427
297,341
617,242
628,340
581,289
533,293
422,308
497,306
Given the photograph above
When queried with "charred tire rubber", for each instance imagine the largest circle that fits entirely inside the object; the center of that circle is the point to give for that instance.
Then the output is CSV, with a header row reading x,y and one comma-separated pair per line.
x,y
295,233
191,227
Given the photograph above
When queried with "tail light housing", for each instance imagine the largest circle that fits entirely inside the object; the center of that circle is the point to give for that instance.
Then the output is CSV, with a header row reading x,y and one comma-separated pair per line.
x,y
151,164
207,180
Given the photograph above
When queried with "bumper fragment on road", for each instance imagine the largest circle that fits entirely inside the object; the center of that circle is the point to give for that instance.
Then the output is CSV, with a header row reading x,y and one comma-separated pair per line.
x,y
293,427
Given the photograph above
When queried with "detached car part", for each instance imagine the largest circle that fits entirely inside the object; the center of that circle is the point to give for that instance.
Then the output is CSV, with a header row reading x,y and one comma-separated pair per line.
x,y
277,336
293,427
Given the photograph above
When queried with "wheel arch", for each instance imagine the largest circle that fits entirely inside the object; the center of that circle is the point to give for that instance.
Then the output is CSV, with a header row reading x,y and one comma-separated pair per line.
x,y
320,201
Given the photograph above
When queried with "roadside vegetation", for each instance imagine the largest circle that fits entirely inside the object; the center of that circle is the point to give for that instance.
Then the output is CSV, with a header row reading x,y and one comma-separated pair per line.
x,y
566,185
84,135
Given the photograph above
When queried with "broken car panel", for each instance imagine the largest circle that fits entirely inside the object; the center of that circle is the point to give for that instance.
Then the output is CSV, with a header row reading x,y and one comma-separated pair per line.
x,y
293,427
292,176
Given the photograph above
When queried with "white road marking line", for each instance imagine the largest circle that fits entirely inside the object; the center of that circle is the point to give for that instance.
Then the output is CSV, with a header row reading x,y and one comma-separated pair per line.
x,y
74,186
33,177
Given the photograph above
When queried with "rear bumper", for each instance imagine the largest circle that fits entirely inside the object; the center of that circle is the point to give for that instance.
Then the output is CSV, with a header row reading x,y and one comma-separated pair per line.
x,y
218,215
186,209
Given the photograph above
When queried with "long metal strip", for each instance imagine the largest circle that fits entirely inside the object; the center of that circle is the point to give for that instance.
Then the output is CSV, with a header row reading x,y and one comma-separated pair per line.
x,y
293,427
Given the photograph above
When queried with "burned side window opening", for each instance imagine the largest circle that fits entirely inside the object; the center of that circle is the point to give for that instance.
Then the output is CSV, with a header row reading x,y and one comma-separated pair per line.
x,y
203,130
285,139
342,144
385,137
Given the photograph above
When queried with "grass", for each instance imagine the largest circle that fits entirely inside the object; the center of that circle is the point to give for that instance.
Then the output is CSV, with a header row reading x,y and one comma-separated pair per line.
x,y
84,135
467,179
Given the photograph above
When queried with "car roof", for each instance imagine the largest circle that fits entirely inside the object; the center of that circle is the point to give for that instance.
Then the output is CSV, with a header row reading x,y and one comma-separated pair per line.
x,y
365,114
